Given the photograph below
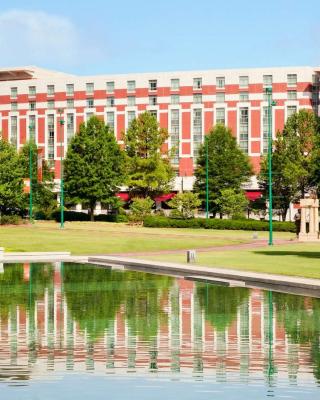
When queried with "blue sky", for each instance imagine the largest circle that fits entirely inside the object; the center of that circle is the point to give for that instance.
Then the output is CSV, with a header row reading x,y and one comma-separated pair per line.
x,y
108,36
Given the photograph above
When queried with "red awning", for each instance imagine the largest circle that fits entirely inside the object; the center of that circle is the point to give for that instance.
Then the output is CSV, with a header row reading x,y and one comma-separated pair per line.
x,y
165,197
123,196
252,196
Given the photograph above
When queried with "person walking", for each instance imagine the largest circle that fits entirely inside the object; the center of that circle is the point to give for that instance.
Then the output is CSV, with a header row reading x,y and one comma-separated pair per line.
x,y
297,221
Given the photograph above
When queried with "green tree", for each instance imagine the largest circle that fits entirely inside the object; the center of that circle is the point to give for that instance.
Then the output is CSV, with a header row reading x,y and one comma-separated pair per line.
x,y
44,198
184,204
232,203
140,208
94,165
149,170
12,198
229,167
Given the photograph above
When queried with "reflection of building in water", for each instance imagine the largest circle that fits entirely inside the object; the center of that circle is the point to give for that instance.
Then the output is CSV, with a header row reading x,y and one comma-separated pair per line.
x,y
193,339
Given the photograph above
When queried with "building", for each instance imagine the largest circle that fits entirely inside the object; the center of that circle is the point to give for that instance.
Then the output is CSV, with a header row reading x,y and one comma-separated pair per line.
x,y
187,103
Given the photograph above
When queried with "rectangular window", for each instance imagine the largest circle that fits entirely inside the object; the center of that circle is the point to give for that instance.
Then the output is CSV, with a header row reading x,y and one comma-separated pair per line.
x,y
110,119
70,127
110,101
50,104
220,82
197,98
152,100
154,113
70,103
265,128
70,89
197,83
221,116
220,97
292,95
89,115
197,131
131,86
14,92
244,96
243,81
14,106
291,110
32,105
267,80
292,79
152,84
32,90
32,127
89,88
50,90
244,129
131,101
175,84
175,99
110,87
131,115
90,103
174,135
50,143
14,131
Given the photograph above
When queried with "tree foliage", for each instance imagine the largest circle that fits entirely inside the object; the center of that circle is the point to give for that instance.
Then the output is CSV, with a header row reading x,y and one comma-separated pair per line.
x,y
140,208
232,203
228,166
94,165
184,205
149,169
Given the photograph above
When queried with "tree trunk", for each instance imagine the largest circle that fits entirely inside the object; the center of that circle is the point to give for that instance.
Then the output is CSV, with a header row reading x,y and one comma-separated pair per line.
x,y
284,214
91,210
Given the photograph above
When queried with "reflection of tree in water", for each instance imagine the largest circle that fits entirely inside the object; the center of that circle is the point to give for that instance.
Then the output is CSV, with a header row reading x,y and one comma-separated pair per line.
x,y
300,317
220,303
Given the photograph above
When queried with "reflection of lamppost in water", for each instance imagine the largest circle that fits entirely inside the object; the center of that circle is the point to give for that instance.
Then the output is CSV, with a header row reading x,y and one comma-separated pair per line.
x,y
271,369
61,123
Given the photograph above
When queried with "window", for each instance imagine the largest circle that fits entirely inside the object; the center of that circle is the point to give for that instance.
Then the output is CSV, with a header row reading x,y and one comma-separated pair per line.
x,y
131,86
315,79
292,95
32,127
244,96
153,85
14,106
244,129
89,115
70,89
197,83
197,98
14,92
292,79
243,81
110,119
90,103
152,100
174,135
89,88
220,82
110,101
267,80
220,97
131,115
32,90
50,144
50,90
175,84
220,116
154,113
32,105
110,87
70,103
291,110
175,99
70,127
265,129
50,104
131,101
14,131
197,131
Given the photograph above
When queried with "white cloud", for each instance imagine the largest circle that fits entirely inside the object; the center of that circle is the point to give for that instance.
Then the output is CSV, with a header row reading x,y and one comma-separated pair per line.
x,y
36,37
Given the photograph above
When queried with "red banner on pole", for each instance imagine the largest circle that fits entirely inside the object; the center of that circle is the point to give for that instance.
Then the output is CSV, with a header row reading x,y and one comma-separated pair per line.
x,y
40,165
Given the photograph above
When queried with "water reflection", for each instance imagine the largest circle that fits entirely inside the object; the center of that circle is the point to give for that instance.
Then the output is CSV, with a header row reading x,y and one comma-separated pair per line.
x,y
79,318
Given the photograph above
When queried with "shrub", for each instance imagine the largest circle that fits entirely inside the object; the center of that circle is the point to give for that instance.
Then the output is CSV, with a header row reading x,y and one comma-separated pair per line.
x,y
111,218
140,209
71,216
11,220
184,204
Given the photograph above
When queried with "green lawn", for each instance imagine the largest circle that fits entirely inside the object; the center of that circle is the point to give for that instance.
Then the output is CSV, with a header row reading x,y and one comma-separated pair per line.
x,y
100,237
299,259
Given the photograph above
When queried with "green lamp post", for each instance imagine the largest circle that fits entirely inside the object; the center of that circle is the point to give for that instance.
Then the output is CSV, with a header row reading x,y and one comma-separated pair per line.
x,y
31,141
61,123
207,178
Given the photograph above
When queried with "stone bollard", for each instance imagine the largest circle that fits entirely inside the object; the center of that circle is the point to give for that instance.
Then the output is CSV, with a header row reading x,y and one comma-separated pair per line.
x,y
255,235
191,256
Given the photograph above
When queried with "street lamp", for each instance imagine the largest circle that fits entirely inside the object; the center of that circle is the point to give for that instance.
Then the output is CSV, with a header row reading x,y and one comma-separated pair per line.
x,y
31,140
271,103
207,177
61,123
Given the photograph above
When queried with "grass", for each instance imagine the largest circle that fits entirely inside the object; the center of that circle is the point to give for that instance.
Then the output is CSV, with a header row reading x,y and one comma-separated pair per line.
x,y
103,238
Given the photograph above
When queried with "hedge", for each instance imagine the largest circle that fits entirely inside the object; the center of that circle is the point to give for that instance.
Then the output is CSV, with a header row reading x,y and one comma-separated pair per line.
x,y
11,220
213,223
81,216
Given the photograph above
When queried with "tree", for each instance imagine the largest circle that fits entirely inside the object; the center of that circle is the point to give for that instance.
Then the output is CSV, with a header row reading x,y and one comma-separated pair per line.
x,y
149,169
140,208
184,204
94,165
232,203
44,198
12,198
228,166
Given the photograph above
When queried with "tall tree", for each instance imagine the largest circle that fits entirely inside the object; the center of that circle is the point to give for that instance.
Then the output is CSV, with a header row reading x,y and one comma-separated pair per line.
x,y
12,198
228,166
149,169
94,165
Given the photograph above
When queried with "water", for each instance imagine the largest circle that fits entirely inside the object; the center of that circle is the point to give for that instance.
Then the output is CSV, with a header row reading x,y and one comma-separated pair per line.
x,y
78,331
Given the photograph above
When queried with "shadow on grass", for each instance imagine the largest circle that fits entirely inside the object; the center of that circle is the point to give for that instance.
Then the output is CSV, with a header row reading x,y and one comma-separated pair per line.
x,y
304,254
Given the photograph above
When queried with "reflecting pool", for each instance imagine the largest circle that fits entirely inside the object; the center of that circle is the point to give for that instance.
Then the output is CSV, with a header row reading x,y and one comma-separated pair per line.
x,y
85,332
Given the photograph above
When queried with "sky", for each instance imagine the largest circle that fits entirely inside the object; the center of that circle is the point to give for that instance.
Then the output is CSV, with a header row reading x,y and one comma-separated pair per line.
x,y
120,36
